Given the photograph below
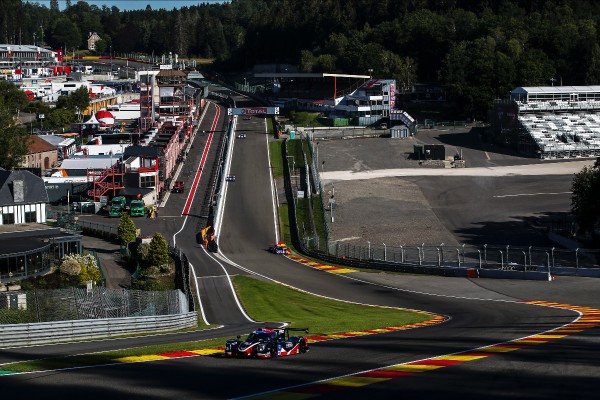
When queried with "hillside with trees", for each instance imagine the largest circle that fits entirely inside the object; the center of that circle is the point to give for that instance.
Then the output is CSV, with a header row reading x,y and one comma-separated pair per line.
x,y
478,51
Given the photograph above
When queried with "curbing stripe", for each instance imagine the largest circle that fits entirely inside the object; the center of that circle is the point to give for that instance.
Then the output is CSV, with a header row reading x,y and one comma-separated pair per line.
x,y
588,319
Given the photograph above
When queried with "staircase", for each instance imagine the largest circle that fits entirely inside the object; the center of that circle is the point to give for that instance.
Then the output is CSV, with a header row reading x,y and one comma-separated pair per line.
x,y
109,179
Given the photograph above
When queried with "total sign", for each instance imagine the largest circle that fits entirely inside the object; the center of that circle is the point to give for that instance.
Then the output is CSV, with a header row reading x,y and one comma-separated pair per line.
x,y
253,111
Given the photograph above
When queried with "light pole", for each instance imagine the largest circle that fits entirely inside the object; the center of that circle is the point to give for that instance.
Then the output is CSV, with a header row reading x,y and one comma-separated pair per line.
x,y
369,252
384,252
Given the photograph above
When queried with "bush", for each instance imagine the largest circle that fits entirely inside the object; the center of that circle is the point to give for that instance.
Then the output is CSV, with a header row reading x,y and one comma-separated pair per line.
x,y
83,266
158,254
148,284
70,266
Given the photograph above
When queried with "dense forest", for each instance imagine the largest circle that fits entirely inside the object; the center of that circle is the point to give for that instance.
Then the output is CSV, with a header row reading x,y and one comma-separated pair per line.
x,y
478,50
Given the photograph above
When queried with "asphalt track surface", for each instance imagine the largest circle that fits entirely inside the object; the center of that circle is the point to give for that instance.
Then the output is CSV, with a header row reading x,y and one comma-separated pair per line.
x,y
481,313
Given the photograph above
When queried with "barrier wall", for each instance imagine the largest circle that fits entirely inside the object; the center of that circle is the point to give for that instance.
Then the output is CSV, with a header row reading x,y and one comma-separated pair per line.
x,y
70,331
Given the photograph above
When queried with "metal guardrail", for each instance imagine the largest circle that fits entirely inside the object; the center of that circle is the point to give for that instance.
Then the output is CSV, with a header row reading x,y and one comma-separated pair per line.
x,y
69,331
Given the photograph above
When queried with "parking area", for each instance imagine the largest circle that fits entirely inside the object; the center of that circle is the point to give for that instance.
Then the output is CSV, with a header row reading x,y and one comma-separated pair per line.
x,y
472,210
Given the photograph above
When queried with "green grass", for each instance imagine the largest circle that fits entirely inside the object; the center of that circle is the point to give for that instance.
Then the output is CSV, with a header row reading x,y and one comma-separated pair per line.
x,y
320,315
283,304
108,357
275,147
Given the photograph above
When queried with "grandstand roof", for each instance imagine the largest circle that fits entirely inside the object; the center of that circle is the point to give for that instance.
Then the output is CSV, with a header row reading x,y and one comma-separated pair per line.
x,y
555,89
305,75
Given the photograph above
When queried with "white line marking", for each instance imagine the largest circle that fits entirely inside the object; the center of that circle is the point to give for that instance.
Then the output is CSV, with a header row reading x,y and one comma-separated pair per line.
x,y
530,194
410,362
274,196
214,276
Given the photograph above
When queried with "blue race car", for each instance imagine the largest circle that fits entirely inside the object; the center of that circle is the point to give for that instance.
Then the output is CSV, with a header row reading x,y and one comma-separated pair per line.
x,y
267,343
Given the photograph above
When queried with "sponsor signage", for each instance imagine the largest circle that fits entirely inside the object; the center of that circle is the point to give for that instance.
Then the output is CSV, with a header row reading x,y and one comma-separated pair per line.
x,y
253,111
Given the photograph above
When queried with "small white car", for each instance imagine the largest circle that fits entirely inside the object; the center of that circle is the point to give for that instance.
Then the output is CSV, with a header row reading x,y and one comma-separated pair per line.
x,y
230,178
242,136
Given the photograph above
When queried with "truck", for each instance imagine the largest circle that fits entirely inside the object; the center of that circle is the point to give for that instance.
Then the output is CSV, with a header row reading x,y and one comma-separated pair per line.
x,y
117,206
137,208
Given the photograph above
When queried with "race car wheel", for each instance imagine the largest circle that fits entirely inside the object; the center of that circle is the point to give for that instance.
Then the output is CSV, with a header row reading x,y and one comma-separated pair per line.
x,y
303,347
273,352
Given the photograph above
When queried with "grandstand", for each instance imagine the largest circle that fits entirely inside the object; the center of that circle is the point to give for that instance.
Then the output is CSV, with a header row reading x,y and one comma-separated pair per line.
x,y
550,122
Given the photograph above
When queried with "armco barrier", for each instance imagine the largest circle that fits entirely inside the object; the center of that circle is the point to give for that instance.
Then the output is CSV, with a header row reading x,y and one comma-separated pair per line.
x,y
69,331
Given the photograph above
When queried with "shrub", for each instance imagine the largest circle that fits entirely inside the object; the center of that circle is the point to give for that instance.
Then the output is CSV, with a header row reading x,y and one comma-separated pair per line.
x,y
70,266
158,254
85,266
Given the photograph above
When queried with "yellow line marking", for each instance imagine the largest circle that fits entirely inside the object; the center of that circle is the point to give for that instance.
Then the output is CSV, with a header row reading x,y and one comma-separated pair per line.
x,y
458,358
355,381
204,352
494,349
152,357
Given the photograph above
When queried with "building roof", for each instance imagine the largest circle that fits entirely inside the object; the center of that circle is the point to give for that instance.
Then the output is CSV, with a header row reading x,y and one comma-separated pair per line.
x,y
23,48
172,72
142,151
90,162
34,190
555,89
39,145
56,140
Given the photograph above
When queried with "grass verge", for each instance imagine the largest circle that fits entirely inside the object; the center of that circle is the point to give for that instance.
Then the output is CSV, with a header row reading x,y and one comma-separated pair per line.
x,y
282,304
321,315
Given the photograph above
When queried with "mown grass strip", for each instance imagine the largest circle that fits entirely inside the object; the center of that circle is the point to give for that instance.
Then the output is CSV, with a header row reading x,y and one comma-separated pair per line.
x,y
322,316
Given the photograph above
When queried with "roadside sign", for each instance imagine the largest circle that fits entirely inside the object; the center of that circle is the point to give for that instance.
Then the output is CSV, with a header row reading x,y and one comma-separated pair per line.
x,y
253,111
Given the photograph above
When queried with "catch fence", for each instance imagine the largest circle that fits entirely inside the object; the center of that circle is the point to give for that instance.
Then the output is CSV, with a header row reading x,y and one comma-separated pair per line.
x,y
81,303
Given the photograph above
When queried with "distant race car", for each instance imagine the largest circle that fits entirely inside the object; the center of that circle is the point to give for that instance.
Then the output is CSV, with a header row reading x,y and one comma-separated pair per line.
x,y
178,187
242,136
230,178
277,249
267,343
247,117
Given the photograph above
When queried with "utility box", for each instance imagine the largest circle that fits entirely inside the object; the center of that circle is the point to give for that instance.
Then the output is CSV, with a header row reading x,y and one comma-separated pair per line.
x,y
399,132
418,152
434,152
14,301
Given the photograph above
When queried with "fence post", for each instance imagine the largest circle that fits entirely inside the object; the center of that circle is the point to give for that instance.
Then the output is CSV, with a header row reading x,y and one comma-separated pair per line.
x,y
485,253
577,258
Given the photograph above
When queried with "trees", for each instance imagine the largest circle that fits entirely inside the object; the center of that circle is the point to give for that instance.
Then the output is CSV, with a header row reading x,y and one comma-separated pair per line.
x,y
158,252
585,205
14,140
126,230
